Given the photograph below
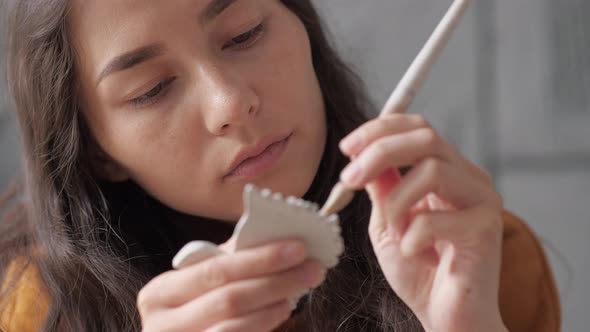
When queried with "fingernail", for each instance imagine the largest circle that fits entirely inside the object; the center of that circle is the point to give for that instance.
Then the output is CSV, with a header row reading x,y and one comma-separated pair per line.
x,y
323,273
293,252
312,274
351,174
350,144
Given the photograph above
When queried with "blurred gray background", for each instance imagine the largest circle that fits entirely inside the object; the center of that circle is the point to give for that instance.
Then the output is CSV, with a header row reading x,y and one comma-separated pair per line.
x,y
512,91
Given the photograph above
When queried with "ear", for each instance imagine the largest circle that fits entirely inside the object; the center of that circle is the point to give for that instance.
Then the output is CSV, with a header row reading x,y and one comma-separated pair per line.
x,y
106,168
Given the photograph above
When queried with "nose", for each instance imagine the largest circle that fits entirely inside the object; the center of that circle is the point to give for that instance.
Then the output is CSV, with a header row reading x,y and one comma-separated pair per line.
x,y
228,101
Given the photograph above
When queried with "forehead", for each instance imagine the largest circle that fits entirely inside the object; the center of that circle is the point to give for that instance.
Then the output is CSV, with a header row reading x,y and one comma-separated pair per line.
x,y
102,29
103,17
109,18
91,20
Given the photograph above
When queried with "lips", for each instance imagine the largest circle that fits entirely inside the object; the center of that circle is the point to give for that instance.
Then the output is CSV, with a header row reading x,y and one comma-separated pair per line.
x,y
255,160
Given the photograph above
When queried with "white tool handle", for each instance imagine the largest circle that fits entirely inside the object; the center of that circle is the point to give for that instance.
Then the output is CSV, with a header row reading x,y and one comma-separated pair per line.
x,y
407,88
195,252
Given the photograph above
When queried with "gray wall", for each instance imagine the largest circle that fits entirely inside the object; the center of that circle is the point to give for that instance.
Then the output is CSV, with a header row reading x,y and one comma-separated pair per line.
x,y
511,91
8,137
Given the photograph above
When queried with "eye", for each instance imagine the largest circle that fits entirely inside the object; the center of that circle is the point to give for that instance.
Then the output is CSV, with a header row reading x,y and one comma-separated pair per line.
x,y
246,39
152,96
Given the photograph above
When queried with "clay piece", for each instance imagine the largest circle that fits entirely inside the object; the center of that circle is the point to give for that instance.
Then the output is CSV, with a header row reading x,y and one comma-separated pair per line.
x,y
269,217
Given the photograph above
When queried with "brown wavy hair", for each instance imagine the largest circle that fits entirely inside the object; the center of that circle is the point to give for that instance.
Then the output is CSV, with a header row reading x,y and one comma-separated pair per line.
x,y
97,243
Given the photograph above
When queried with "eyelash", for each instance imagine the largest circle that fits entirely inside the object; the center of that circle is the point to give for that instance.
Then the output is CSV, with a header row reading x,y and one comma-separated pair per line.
x,y
246,39
152,96
242,41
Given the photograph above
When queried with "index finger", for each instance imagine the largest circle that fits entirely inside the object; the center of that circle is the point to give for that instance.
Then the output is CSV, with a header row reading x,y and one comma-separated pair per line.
x,y
355,142
178,287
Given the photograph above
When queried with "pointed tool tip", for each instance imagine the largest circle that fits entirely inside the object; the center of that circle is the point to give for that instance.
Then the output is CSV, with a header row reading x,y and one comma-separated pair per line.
x,y
340,197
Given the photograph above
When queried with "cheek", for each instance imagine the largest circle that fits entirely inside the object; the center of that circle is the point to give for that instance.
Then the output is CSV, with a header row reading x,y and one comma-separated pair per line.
x,y
152,147
172,164
289,77
168,156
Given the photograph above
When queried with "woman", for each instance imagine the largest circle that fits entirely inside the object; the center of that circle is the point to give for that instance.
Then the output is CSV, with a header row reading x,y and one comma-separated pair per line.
x,y
143,120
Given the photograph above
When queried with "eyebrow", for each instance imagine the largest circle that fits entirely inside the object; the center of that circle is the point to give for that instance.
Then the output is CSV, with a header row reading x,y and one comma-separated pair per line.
x,y
145,53
214,9
130,59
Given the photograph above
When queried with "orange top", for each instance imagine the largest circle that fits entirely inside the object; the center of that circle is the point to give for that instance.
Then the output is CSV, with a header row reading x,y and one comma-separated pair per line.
x,y
28,301
528,296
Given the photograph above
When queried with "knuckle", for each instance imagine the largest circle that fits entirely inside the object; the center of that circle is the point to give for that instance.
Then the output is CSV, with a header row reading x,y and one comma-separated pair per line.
x,y
491,234
430,138
270,258
145,298
389,121
281,312
387,116
211,275
423,222
491,229
433,167
420,120
150,295
424,229
363,135
365,130
228,305
380,149
379,127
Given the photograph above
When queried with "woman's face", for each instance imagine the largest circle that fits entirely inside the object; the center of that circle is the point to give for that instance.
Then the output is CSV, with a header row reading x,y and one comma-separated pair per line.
x,y
192,99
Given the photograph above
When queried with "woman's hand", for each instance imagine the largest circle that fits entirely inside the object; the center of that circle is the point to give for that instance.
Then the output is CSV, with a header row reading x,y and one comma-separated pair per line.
x,y
244,291
437,232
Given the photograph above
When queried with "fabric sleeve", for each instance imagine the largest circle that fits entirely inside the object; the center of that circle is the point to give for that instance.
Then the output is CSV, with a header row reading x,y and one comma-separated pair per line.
x,y
26,304
529,299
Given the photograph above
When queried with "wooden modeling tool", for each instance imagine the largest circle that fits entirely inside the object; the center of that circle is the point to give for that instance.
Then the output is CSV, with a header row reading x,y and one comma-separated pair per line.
x,y
403,95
